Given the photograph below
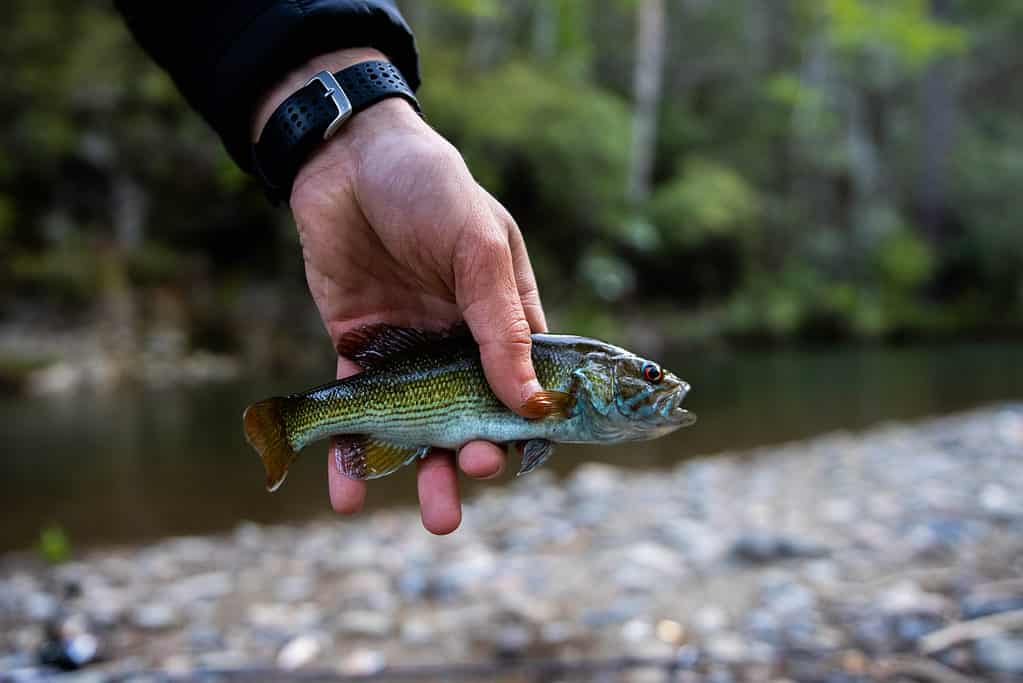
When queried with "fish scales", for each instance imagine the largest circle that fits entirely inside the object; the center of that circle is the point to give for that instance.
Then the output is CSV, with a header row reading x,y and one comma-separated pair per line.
x,y
421,390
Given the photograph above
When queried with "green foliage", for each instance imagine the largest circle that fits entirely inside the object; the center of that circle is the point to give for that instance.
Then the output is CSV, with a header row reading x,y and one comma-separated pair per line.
x,y
54,545
822,168
902,30
708,200
518,131
904,261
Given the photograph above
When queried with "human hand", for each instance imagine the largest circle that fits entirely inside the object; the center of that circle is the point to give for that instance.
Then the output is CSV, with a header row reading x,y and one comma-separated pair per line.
x,y
395,229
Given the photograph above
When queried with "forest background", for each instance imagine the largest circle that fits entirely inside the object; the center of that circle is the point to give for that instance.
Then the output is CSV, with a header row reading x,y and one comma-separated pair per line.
x,y
692,171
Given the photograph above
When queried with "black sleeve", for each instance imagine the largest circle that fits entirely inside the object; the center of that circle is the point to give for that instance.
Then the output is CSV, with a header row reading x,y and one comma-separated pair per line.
x,y
224,54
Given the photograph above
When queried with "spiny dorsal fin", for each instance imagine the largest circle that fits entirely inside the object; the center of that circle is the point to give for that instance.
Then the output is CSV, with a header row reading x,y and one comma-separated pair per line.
x,y
360,457
371,344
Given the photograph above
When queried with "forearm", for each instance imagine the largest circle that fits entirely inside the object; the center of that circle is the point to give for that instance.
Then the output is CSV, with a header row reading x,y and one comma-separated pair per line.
x,y
226,56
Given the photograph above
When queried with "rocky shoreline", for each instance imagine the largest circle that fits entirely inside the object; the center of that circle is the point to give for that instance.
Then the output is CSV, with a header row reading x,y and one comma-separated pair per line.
x,y
896,554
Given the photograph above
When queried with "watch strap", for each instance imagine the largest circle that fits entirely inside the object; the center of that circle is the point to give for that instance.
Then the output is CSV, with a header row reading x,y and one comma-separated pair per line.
x,y
314,113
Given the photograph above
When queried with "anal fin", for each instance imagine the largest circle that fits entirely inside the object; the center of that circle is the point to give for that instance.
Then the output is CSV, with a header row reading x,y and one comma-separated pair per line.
x,y
361,457
535,452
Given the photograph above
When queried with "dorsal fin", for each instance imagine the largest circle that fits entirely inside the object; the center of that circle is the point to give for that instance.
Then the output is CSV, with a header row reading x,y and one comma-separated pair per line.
x,y
369,345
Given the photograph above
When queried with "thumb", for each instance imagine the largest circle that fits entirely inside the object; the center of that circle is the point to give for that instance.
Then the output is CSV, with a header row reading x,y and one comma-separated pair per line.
x,y
488,297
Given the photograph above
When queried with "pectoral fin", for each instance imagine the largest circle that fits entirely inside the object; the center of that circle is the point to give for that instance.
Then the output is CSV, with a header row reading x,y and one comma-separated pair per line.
x,y
534,453
360,457
547,404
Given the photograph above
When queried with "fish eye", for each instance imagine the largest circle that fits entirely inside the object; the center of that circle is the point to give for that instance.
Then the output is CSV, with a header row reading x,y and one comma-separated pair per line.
x,y
652,372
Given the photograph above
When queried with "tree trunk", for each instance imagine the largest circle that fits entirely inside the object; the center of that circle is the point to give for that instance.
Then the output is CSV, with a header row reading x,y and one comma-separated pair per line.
x,y
545,30
647,90
938,105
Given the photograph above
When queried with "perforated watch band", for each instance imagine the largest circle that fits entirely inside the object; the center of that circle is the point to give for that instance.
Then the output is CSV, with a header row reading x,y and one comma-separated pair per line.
x,y
314,113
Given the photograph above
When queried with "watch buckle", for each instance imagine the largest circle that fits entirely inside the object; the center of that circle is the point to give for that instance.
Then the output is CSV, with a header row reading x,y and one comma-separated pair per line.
x,y
337,95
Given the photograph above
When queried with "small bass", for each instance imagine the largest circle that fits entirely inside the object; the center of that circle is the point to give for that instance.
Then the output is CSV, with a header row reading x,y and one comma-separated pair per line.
x,y
421,390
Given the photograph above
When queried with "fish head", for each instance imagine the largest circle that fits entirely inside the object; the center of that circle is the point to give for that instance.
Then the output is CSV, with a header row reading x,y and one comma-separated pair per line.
x,y
632,398
648,398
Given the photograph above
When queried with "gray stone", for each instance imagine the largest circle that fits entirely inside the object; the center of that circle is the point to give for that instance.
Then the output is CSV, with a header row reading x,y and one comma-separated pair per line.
x,y
155,616
511,640
1000,654
762,547
977,605
208,586
366,624
294,588
727,647
363,662
299,651
39,606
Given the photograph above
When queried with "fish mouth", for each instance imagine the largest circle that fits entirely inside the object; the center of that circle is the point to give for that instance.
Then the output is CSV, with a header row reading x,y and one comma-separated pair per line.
x,y
670,407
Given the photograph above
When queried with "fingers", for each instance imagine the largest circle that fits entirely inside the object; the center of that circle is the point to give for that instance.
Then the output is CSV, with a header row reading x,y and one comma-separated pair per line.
x,y
525,280
487,294
346,495
439,505
481,459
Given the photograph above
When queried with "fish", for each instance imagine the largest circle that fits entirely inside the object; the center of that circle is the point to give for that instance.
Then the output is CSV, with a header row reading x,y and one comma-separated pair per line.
x,y
420,390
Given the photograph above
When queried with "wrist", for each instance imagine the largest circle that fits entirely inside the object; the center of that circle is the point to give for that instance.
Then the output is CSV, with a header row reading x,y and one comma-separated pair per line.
x,y
295,79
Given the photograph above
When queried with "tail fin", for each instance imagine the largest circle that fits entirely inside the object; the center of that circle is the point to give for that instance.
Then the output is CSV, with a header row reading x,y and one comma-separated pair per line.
x,y
264,430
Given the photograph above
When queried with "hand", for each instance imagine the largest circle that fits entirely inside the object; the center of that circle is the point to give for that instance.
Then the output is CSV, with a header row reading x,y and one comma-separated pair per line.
x,y
395,229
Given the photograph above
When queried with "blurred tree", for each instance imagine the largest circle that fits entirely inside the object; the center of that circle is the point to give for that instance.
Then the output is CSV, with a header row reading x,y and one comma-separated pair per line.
x,y
800,167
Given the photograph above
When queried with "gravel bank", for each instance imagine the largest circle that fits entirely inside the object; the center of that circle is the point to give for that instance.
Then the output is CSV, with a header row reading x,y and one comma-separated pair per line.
x,y
896,554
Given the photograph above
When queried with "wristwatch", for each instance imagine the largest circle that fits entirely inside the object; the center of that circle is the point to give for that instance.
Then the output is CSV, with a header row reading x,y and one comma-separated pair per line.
x,y
315,113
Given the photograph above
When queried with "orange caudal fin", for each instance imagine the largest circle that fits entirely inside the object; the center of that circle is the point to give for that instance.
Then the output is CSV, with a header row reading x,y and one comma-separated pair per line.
x,y
265,431
547,404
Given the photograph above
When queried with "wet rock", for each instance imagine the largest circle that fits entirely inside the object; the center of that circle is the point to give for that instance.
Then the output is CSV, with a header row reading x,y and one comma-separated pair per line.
x,y
155,616
294,588
366,624
39,606
511,641
873,634
594,480
762,547
909,628
362,662
417,631
208,586
709,619
71,652
984,604
204,638
1000,655
299,651
727,647
619,611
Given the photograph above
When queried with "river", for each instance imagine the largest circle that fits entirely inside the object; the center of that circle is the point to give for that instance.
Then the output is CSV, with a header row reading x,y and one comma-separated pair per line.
x,y
127,466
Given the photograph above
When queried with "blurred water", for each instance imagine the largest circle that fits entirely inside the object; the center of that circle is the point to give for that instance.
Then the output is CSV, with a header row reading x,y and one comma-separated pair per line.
x,y
126,466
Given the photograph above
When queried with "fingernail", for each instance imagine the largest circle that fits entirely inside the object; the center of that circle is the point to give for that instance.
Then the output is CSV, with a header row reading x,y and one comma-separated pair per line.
x,y
529,389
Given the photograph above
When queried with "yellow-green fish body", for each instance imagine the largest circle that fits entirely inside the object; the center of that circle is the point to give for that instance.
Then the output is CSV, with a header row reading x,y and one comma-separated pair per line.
x,y
420,390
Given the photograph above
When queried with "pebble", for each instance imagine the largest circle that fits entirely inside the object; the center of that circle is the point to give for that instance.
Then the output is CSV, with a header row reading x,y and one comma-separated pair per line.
x,y
363,662
715,564
1000,654
727,647
299,651
763,547
155,616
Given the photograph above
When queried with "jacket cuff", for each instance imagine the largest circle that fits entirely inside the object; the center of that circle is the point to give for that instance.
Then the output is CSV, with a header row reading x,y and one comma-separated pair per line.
x,y
279,40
